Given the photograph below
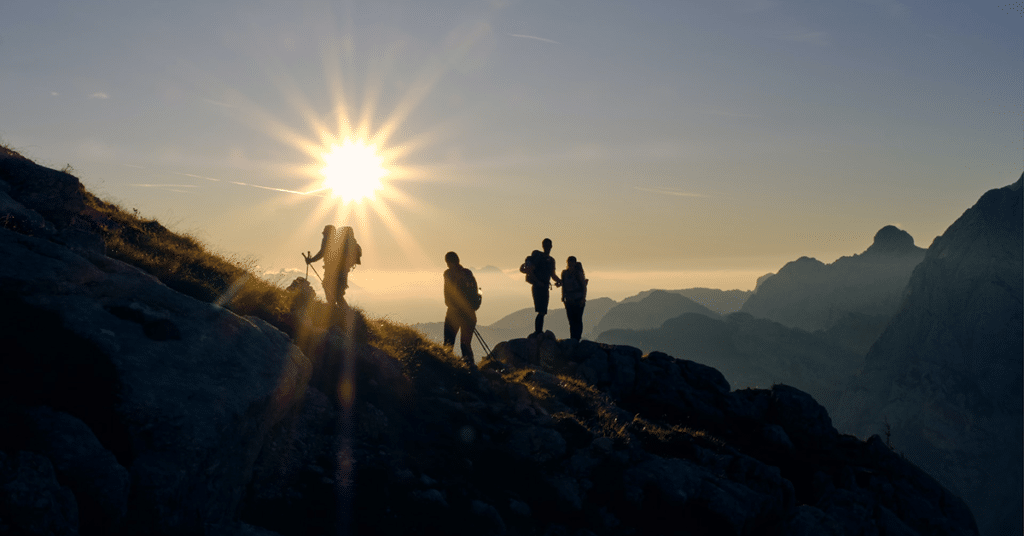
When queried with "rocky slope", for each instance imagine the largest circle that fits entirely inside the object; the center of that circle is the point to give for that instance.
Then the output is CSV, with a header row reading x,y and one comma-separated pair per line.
x,y
947,373
811,295
140,410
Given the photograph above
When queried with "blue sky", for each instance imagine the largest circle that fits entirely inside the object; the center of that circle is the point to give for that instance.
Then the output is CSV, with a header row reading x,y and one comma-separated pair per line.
x,y
728,135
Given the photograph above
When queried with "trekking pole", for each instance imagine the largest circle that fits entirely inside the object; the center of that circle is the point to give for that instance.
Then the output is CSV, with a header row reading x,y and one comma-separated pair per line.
x,y
317,273
306,258
487,349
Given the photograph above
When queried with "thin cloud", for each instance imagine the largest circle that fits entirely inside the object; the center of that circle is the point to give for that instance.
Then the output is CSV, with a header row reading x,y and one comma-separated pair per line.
x,y
894,8
165,185
316,193
752,6
99,95
535,37
176,188
54,94
667,191
811,38
732,113
219,103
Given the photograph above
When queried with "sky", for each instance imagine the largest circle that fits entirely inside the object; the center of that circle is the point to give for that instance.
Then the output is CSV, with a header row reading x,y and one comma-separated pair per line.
x,y
665,144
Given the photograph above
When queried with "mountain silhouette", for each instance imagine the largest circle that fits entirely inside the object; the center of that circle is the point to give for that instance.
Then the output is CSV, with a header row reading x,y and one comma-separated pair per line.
x,y
811,295
649,312
946,374
722,302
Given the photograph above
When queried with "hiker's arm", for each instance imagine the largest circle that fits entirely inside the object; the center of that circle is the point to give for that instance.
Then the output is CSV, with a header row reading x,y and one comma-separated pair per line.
x,y
447,290
319,254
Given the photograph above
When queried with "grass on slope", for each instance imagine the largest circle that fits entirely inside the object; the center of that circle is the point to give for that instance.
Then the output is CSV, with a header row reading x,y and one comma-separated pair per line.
x,y
184,264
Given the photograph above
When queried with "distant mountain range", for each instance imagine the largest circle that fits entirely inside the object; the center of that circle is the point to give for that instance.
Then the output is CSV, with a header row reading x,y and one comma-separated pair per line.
x,y
812,295
722,302
520,323
646,309
651,310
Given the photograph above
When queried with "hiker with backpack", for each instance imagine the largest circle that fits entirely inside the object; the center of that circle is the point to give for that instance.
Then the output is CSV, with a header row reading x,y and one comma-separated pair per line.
x,y
462,297
539,268
341,253
574,296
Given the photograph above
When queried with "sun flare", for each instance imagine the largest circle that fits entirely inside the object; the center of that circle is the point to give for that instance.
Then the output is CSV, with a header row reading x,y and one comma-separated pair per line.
x,y
353,171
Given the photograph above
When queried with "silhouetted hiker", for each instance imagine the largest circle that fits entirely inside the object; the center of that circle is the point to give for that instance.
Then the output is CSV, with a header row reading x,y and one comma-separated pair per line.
x,y
574,295
540,269
462,297
340,253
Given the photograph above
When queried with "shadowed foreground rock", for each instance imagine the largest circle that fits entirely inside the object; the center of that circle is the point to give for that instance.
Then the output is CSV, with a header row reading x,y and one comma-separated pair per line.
x,y
559,437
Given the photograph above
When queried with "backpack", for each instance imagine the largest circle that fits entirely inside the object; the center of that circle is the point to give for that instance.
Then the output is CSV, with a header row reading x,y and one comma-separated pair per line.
x,y
465,284
351,250
534,267
574,286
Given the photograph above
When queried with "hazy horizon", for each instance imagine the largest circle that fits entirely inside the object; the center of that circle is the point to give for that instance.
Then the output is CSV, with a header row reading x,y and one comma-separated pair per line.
x,y
664,144
417,297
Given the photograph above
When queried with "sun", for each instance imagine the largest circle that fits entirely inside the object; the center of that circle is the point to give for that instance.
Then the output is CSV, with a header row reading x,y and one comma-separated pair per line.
x,y
353,171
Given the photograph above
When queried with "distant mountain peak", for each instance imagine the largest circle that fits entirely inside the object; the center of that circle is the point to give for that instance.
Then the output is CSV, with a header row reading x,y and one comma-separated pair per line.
x,y
893,240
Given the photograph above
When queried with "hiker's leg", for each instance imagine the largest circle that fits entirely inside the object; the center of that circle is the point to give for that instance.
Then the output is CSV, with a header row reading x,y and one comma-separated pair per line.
x,y
342,284
468,327
330,284
449,329
540,304
466,345
576,322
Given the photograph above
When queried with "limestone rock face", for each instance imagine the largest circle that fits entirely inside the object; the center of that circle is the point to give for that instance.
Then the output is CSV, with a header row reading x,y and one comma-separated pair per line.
x,y
947,372
811,295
